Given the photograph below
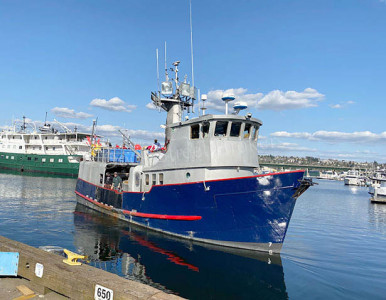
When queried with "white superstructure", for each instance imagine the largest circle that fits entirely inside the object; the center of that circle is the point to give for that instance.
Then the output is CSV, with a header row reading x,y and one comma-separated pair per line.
x,y
44,141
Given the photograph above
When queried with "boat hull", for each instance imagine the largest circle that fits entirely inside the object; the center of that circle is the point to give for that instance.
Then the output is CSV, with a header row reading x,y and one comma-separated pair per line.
x,y
42,164
378,194
351,181
249,213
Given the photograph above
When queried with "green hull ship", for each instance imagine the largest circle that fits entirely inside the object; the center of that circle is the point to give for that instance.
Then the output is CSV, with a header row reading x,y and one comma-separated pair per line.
x,y
44,150
62,165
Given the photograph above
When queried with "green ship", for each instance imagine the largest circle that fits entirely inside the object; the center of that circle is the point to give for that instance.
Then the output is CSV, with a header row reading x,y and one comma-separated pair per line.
x,y
44,150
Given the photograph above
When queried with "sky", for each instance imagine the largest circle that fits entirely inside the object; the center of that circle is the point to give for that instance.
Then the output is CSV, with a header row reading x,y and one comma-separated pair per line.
x,y
313,71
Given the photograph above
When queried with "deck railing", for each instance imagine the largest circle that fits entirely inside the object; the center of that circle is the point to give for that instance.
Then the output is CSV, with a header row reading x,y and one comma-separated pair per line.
x,y
116,155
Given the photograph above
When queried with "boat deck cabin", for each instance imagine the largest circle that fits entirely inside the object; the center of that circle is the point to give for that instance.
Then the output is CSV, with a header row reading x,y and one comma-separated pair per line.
x,y
203,148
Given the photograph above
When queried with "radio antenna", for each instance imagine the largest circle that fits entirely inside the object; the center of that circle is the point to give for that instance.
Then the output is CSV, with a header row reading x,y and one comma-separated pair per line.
x,y
166,68
156,51
191,39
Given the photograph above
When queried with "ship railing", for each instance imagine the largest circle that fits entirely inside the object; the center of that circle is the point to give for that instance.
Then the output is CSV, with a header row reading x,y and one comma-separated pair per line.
x,y
119,155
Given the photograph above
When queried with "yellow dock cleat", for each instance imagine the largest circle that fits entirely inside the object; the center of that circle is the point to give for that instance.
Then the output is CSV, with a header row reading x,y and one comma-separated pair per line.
x,y
72,258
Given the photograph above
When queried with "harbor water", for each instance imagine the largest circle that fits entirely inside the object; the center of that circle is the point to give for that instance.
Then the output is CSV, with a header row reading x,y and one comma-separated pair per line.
x,y
334,248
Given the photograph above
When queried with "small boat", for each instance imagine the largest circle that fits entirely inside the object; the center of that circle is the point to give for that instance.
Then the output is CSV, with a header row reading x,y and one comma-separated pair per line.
x,y
379,193
330,175
376,178
352,178
205,185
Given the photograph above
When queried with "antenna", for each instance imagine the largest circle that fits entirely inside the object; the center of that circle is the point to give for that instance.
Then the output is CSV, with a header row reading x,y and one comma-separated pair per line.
x,y
191,39
45,120
204,97
166,68
226,98
157,70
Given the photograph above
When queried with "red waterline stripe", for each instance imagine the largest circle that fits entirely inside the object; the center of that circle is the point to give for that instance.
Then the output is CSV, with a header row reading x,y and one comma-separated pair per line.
x,y
143,215
162,217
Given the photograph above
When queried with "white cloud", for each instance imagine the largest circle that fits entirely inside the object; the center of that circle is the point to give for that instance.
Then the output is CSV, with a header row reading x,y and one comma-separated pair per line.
x,y
283,147
114,104
111,132
298,135
341,105
275,100
214,98
151,106
145,135
69,113
335,136
278,100
287,149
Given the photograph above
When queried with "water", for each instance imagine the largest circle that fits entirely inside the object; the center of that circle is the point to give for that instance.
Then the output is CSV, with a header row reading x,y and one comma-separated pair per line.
x,y
334,249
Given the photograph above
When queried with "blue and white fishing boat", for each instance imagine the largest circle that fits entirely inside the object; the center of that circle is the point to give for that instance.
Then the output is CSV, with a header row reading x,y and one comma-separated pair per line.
x,y
205,186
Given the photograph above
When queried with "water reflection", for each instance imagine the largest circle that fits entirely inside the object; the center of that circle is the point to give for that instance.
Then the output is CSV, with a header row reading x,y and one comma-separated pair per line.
x,y
377,216
190,270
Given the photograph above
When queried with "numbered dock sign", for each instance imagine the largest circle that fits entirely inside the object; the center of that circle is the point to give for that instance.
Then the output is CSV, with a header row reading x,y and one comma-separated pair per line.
x,y
102,293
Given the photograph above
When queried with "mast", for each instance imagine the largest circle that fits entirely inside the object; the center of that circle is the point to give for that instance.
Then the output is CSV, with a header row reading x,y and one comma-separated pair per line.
x,y
174,100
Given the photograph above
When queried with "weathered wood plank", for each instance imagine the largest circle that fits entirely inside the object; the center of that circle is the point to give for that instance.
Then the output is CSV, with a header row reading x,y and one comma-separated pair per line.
x,y
75,282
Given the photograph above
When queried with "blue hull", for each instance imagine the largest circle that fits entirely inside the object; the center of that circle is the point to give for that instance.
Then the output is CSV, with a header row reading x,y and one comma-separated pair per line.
x,y
251,212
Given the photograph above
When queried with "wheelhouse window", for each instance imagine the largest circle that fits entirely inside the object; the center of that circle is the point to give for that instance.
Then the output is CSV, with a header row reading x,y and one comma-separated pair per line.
x,y
255,132
221,128
147,179
205,129
161,178
247,130
195,131
153,179
235,129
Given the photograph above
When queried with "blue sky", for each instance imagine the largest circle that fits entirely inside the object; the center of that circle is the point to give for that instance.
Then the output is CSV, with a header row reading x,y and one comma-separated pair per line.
x,y
312,71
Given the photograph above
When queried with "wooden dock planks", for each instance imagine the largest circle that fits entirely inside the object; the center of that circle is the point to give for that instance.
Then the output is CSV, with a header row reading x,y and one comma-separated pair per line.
x,y
75,282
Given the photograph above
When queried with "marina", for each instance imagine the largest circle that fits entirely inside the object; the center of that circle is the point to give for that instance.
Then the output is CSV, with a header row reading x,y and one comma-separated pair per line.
x,y
204,150
328,251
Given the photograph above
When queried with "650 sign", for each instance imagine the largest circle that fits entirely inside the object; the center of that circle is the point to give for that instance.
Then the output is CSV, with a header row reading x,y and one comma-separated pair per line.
x,y
102,293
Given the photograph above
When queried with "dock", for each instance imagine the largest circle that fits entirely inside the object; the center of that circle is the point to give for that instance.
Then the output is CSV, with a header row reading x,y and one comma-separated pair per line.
x,y
43,274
